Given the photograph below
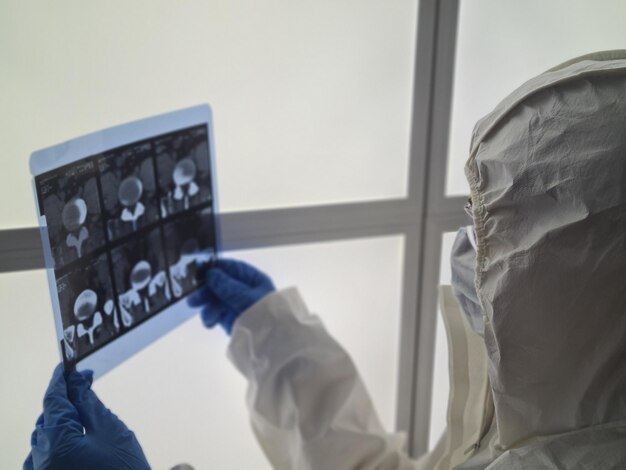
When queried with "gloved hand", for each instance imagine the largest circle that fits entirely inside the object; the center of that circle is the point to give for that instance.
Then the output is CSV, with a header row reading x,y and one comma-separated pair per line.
x,y
76,431
230,288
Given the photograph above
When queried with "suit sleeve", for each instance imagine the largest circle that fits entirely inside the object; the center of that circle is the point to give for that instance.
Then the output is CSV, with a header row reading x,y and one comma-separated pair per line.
x,y
309,407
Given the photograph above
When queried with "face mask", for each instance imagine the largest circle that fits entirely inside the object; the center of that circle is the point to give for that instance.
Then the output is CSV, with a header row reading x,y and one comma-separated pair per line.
x,y
463,261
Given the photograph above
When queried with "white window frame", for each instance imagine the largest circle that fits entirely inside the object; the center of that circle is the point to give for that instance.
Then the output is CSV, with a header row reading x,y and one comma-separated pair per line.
x,y
422,218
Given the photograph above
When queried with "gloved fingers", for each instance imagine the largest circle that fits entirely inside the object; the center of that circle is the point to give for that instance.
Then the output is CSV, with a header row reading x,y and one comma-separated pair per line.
x,y
28,463
201,297
236,269
96,417
59,428
212,309
212,314
228,322
235,294
57,408
202,267
33,436
244,272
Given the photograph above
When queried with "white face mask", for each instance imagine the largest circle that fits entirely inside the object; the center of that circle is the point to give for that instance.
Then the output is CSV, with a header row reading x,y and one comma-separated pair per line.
x,y
463,261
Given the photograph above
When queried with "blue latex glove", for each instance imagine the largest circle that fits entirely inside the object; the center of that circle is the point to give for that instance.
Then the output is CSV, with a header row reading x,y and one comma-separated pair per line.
x,y
76,431
230,288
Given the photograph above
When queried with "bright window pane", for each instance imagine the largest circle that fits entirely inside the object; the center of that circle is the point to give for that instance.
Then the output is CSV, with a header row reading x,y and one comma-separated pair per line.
x,y
312,99
503,43
441,380
181,396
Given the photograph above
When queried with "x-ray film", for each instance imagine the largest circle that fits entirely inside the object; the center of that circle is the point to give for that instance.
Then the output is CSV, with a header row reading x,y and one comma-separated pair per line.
x,y
127,215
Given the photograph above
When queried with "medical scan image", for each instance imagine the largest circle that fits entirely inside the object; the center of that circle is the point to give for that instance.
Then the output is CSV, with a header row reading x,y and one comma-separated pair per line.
x,y
88,312
69,201
189,243
140,278
129,193
127,228
183,170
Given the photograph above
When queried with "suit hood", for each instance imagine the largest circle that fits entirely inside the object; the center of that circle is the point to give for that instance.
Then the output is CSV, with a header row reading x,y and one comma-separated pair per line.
x,y
547,172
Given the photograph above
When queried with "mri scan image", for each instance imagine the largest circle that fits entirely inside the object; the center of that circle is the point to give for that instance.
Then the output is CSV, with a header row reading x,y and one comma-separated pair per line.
x,y
189,242
69,201
88,312
141,278
127,228
129,189
183,170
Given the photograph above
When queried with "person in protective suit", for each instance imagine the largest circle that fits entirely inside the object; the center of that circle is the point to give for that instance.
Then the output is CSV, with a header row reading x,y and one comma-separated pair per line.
x,y
536,316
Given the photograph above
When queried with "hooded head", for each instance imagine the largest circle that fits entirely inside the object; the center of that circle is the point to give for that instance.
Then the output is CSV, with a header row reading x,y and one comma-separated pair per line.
x,y
547,172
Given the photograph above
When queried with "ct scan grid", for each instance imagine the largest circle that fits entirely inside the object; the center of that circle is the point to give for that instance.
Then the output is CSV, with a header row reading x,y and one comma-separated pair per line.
x,y
127,228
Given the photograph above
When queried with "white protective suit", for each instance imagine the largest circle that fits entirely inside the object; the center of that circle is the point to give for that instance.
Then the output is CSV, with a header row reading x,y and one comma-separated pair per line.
x,y
546,388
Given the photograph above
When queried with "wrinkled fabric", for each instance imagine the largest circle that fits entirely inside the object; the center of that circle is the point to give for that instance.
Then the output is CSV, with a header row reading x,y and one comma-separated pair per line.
x,y
548,187
463,262
547,172
599,447
308,405
470,409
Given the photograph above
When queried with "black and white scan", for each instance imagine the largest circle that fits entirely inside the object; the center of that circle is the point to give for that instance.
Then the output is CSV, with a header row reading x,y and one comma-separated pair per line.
x,y
129,189
189,242
69,200
183,168
88,313
141,277
127,228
